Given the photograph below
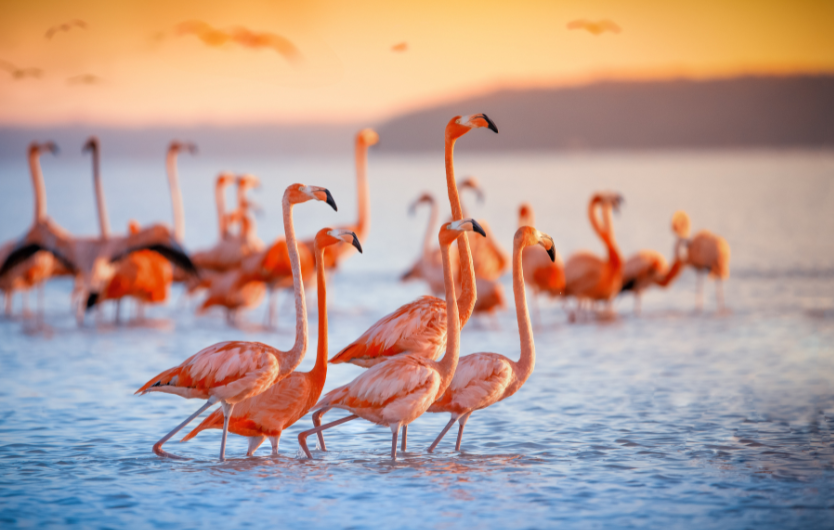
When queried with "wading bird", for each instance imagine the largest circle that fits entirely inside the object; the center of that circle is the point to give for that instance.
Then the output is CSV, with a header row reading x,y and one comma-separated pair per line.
x,y
708,254
483,379
268,414
542,274
230,372
398,391
589,278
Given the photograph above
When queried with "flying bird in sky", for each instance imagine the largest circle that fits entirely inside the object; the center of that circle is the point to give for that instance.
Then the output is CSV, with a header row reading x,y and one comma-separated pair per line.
x,y
401,47
84,79
595,28
66,26
247,38
20,73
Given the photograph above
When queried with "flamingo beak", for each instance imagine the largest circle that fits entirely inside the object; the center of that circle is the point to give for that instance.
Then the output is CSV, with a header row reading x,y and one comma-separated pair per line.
x,y
552,253
477,228
330,200
355,242
490,124
52,147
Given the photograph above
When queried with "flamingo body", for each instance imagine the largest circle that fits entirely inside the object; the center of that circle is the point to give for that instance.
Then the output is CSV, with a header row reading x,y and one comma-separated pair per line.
x,y
710,252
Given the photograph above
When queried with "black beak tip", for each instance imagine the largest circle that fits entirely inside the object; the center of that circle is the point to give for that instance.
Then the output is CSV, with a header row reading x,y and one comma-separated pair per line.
x,y
356,243
330,200
552,253
490,124
91,300
477,228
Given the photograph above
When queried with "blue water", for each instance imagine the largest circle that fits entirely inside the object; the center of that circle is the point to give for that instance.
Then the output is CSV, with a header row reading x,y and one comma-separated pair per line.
x,y
675,419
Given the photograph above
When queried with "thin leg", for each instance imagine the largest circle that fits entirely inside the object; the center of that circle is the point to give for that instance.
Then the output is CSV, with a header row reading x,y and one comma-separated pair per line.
x,y
442,434
395,430
118,311
317,423
699,301
8,295
302,437
405,438
638,303
274,441
140,311
719,294
462,422
41,309
25,303
254,443
157,448
227,414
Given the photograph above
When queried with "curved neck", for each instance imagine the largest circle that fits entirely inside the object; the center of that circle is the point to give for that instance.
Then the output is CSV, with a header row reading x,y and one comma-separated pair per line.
x,y
220,199
447,365
674,270
362,191
299,348
176,195
604,232
430,230
38,185
103,221
468,294
527,360
320,368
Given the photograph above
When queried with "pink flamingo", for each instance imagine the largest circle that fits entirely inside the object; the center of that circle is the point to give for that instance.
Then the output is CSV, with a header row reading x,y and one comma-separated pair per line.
x,y
268,414
545,276
707,253
483,379
400,390
230,372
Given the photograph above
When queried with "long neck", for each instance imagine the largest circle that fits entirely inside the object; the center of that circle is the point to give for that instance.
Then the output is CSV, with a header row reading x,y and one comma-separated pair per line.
x,y
299,348
468,294
431,229
674,270
319,371
362,191
176,195
38,185
220,199
525,330
449,362
103,220
604,232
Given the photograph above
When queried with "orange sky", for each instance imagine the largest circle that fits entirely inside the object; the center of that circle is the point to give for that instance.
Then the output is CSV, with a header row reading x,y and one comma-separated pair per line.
x,y
349,73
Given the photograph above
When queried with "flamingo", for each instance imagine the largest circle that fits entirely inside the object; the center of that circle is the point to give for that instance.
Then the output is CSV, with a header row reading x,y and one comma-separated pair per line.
x,y
545,276
483,379
649,267
268,414
230,372
41,265
489,258
588,277
398,391
707,253
419,327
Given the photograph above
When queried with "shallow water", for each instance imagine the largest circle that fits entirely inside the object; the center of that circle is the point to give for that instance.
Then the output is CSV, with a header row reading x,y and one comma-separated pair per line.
x,y
672,419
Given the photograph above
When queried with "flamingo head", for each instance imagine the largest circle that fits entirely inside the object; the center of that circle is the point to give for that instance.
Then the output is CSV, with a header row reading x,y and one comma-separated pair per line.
x,y
450,232
680,224
474,184
610,199
90,145
36,148
298,193
248,181
177,147
133,226
330,236
426,197
527,236
460,125
525,215
367,137
224,179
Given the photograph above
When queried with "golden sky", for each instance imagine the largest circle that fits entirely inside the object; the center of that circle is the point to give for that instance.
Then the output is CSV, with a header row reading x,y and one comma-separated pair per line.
x,y
141,71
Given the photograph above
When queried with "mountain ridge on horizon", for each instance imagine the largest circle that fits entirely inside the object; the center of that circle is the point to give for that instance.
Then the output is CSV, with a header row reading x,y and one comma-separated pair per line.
x,y
785,111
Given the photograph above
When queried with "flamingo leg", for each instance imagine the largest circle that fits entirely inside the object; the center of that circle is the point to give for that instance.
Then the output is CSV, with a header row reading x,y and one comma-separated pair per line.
x,y
118,311
317,423
41,310
8,296
254,443
442,434
274,441
699,301
462,422
157,448
227,414
302,437
395,431
405,438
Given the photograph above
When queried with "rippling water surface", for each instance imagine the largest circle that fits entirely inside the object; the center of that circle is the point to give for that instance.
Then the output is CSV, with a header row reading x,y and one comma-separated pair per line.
x,y
672,419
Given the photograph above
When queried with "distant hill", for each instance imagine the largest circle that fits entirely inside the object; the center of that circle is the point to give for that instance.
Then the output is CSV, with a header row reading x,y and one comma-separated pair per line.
x,y
743,112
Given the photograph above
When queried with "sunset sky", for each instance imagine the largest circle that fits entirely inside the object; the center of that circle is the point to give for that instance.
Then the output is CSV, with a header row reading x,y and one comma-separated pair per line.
x,y
141,71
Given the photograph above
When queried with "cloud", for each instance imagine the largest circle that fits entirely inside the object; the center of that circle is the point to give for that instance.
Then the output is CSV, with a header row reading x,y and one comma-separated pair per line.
x,y
239,35
84,79
401,47
66,26
20,73
595,28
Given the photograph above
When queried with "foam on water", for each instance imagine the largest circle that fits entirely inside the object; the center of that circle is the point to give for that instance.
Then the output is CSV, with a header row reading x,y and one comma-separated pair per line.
x,y
673,419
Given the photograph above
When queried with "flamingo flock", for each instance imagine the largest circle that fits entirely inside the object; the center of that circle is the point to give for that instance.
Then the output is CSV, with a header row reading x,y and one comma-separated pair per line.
x,y
412,356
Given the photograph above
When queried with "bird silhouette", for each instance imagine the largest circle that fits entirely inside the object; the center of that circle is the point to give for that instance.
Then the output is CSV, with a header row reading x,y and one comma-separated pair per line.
x,y
20,73
66,26
400,47
595,28
84,79
245,37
